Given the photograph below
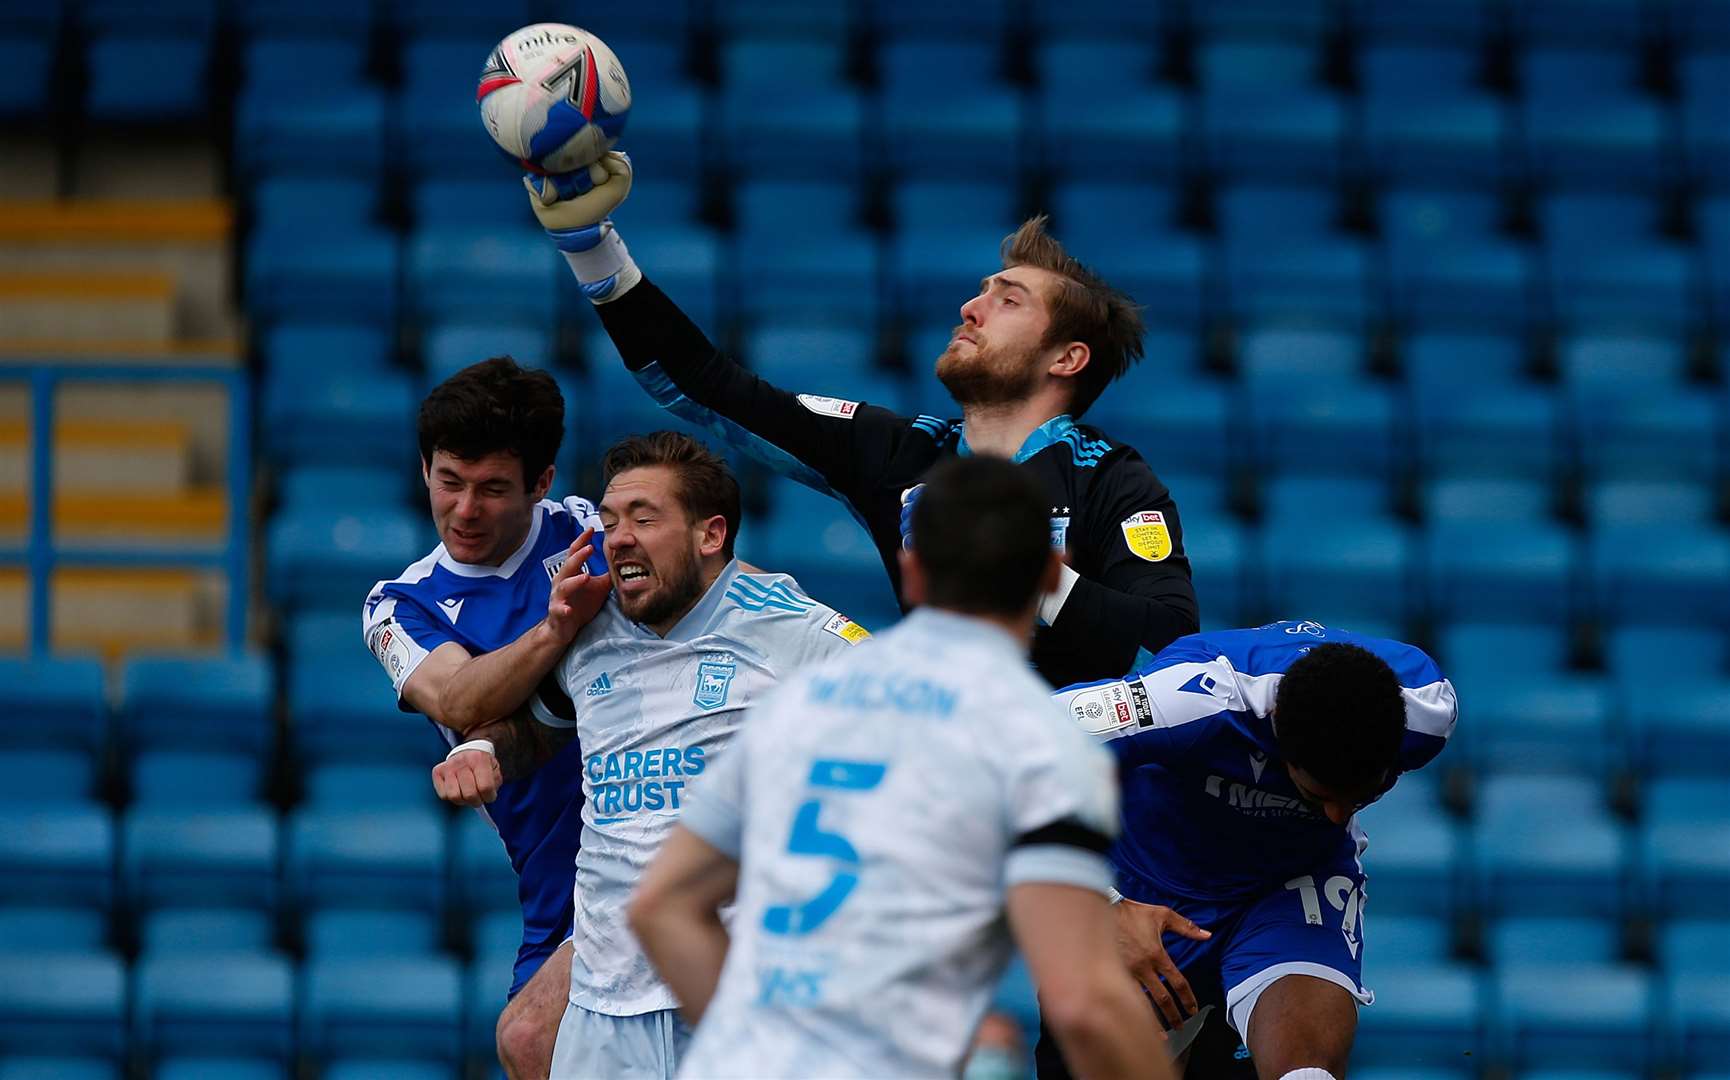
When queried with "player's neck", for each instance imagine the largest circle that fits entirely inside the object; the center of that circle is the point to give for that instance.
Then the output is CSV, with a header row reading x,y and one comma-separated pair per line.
x,y
1001,430
1018,627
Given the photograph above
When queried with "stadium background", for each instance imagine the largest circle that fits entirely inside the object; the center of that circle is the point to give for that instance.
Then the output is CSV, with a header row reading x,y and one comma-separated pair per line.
x,y
1437,294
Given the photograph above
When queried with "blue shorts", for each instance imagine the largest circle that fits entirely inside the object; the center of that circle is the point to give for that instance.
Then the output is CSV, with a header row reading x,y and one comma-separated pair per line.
x,y
1311,926
532,954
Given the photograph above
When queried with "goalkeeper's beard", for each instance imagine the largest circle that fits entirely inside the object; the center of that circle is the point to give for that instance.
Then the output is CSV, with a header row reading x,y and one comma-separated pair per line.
x,y
990,375
676,590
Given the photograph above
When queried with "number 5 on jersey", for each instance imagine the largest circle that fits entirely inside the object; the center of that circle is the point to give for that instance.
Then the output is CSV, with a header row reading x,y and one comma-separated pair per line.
x,y
809,838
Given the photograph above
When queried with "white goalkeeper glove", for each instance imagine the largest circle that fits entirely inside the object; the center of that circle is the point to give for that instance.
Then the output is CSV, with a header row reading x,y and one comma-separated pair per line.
x,y
573,208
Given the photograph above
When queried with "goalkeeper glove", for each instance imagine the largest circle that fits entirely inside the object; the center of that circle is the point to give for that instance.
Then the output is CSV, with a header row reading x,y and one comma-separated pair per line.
x,y
573,208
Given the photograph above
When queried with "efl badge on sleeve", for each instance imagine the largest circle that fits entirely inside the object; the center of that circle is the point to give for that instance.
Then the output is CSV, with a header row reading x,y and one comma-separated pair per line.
x,y
714,679
1147,536
846,629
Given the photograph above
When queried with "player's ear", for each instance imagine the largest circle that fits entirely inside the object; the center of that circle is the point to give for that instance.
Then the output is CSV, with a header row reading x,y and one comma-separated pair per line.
x,y
714,539
1070,362
543,485
913,585
426,472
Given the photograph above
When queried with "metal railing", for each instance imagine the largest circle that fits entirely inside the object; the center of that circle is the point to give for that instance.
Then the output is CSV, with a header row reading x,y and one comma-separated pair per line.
x,y
42,554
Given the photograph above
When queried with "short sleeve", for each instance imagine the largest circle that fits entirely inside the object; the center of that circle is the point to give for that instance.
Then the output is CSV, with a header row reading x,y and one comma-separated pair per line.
x,y
399,635
1062,808
715,811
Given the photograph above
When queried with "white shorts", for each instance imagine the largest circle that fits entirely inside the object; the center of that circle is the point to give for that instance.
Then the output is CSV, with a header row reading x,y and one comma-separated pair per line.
x,y
594,1046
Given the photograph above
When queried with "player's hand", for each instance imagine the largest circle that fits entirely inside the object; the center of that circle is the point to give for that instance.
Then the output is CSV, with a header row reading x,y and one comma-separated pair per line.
x,y
1139,927
471,778
578,595
572,204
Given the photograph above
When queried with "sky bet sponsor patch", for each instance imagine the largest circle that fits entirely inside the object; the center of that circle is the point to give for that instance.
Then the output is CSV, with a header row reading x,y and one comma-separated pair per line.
x,y
1145,533
846,629
829,406
391,650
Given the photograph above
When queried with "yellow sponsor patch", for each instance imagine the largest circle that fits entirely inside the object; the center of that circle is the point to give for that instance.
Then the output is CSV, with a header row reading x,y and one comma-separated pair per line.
x,y
1147,536
846,629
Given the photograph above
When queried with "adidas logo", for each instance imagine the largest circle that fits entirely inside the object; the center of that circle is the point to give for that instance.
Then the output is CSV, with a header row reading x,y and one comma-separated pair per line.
x,y
602,685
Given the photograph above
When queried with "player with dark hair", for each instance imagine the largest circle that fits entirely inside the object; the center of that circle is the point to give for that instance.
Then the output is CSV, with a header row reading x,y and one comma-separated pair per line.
x,y
1244,757
466,634
1034,349
654,688
892,821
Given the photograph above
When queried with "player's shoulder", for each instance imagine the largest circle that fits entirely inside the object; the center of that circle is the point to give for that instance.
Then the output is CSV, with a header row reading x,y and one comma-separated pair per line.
x,y
770,601
415,581
1274,647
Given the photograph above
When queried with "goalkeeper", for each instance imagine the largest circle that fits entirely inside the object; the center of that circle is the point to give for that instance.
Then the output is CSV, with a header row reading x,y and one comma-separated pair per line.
x,y
1035,348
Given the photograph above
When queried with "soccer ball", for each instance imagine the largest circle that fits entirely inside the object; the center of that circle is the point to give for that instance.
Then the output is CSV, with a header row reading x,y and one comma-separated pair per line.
x,y
553,97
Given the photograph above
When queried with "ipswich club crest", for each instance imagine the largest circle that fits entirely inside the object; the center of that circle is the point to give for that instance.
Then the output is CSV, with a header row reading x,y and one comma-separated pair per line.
x,y
714,680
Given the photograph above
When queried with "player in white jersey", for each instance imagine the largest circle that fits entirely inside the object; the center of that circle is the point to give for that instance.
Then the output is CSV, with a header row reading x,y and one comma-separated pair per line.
x,y
880,816
653,688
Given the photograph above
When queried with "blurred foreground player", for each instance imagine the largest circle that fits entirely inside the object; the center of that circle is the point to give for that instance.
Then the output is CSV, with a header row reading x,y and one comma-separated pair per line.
x,y
466,634
1035,348
888,809
1245,756
654,689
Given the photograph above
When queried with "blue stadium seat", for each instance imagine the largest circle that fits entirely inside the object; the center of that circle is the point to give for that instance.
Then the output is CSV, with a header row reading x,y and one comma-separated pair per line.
x,y
1552,940
1602,274
52,1066
1406,940
789,354
57,854
1450,135
190,930
320,562
488,977
315,348
1644,502
1103,20
1685,847
192,777
1273,132
1697,1018
481,876
174,856
1406,71
148,77
1259,20
341,709
1100,112
1573,1014
1530,723
947,112
498,934
452,347
1531,572
342,487
320,204
921,205
1678,718
1165,271
1686,799
784,18
1176,422
1621,362
303,21
918,20
1313,426
379,858
1648,574
764,130
932,274
349,277
353,933
1704,77
432,117
629,407
1419,850
1288,497
1642,432
1220,551
1278,352
1434,1017
1092,215
1586,121
1441,363
221,1003
1323,280
1418,221
1426,21
334,131
202,703
1612,23
1252,217
1513,432
827,270
1693,945
1470,650
1447,501
54,701
376,1006
1449,264
23,929
1525,866
28,54
219,1068
369,785
56,1001
454,19
1634,651
1340,570
48,776
469,274
368,1068
1240,64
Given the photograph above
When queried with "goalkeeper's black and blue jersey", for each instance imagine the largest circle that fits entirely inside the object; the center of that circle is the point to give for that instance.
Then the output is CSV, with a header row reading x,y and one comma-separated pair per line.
x,y
1108,509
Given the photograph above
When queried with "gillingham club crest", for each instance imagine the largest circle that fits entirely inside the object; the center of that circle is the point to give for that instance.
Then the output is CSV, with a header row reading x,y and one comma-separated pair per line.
x,y
714,680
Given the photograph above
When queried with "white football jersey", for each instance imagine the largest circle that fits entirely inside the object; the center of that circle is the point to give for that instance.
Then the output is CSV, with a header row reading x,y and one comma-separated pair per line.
x,y
880,806
651,714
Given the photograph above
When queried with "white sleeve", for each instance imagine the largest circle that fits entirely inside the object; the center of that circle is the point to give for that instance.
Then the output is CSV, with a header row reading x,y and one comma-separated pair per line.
x,y
1061,807
716,810
391,642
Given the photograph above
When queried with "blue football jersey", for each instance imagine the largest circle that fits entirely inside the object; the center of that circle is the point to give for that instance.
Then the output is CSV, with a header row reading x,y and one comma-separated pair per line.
x,y
1209,811
483,608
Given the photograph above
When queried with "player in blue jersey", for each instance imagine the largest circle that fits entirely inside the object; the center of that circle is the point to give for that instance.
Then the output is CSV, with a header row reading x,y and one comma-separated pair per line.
x,y
1244,757
466,633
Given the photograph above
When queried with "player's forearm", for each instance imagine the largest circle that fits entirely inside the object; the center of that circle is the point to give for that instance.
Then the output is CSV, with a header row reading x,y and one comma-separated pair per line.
x,y
687,946
496,684
647,327
1110,1033
522,743
1097,620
